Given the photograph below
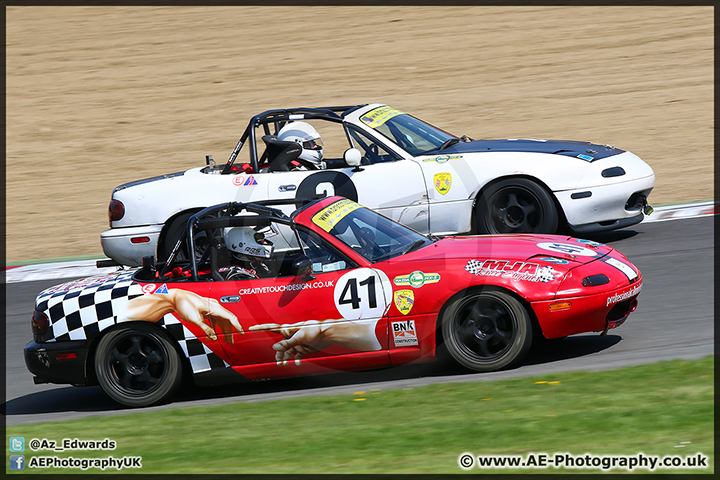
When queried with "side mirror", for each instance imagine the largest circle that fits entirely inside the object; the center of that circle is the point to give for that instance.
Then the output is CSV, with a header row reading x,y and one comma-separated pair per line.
x,y
302,267
352,157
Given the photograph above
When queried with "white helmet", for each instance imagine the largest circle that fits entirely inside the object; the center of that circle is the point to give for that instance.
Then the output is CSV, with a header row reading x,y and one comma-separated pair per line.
x,y
248,241
308,138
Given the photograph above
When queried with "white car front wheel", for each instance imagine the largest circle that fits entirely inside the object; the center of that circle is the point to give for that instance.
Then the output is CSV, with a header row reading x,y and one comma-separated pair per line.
x,y
516,205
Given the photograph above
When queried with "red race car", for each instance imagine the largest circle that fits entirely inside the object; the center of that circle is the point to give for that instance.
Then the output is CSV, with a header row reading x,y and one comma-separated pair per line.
x,y
349,289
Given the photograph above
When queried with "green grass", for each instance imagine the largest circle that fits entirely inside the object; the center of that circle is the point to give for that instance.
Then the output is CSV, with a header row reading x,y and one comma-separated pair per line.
x,y
657,409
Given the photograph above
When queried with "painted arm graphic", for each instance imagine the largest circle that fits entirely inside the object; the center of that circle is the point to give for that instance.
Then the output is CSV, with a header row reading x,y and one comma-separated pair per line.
x,y
206,313
304,338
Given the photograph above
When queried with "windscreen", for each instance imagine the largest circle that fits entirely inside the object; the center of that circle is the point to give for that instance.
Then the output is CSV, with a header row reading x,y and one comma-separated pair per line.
x,y
373,236
410,133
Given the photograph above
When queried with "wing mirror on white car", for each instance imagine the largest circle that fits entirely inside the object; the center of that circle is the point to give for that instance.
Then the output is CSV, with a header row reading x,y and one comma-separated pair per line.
x,y
353,158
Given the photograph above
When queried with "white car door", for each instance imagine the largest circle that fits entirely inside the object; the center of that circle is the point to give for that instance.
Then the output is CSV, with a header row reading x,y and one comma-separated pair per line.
x,y
452,185
395,189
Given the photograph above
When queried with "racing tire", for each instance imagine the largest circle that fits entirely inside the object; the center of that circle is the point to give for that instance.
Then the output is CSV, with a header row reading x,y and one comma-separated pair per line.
x,y
515,205
486,330
138,366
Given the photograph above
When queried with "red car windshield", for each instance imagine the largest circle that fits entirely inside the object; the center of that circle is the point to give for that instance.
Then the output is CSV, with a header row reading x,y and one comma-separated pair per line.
x,y
373,236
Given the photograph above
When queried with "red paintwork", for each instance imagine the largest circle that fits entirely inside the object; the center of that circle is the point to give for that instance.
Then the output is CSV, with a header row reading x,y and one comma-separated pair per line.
x,y
283,301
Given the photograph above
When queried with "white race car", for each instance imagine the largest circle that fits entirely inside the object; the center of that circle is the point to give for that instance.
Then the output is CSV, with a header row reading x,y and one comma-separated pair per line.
x,y
398,165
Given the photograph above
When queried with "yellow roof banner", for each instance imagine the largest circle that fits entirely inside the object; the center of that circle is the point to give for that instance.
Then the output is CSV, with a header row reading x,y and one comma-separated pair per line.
x,y
376,117
329,216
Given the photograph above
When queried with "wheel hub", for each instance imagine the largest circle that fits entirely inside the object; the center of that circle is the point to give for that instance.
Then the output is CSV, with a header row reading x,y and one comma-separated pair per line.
x,y
514,216
137,363
483,331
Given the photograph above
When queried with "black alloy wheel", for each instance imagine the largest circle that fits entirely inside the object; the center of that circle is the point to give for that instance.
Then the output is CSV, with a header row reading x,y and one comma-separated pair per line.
x,y
138,366
487,330
516,205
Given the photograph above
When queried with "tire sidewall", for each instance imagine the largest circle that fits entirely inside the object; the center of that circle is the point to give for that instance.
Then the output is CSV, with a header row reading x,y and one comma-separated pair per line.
x,y
549,222
172,374
522,333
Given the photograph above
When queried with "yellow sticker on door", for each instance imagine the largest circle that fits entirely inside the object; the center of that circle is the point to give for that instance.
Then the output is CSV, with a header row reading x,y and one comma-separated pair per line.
x,y
443,182
404,301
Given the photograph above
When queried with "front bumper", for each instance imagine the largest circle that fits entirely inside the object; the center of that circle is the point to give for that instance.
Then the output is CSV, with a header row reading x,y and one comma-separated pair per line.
x,y
605,226
117,243
63,362
606,207
600,312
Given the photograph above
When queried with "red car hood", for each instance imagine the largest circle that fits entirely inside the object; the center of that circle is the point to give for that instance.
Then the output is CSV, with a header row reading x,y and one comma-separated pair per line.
x,y
570,251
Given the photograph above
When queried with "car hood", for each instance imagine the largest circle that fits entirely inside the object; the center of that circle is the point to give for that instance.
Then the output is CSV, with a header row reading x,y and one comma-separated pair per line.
x,y
583,150
561,251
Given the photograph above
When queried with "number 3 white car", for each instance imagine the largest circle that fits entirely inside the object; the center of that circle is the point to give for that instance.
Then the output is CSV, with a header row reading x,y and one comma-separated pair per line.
x,y
398,165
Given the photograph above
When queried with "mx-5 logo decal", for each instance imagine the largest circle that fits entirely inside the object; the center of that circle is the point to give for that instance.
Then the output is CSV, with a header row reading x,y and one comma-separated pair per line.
x,y
416,279
442,158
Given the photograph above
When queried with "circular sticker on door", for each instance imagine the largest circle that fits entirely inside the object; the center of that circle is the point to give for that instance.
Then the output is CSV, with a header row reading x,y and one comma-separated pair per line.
x,y
362,293
568,249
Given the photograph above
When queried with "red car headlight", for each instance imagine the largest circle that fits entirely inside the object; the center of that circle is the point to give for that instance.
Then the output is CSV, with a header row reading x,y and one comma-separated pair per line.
x,y
116,211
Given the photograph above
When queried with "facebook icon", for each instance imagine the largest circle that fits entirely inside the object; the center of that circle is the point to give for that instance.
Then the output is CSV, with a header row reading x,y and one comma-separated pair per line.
x,y
17,462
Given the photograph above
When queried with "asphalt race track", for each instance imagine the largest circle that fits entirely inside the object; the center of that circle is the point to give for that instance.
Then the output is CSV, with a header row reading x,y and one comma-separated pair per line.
x,y
674,320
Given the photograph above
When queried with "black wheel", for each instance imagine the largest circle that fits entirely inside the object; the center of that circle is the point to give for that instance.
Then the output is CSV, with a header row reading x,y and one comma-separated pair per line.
x,y
487,331
516,205
138,366
172,233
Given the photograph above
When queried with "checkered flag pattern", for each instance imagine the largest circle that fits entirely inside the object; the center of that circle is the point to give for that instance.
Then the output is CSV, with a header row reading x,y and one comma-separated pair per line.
x,y
473,266
200,356
546,274
80,310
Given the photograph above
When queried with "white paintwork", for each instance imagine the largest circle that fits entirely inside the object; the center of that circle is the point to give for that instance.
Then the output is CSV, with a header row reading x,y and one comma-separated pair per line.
x,y
404,190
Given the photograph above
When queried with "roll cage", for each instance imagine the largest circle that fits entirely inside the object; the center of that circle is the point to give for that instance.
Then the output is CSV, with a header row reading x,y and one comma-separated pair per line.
x,y
212,220
278,118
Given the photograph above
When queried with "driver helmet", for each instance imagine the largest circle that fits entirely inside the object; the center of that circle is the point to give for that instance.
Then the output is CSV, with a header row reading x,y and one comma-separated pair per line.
x,y
308,138
248,241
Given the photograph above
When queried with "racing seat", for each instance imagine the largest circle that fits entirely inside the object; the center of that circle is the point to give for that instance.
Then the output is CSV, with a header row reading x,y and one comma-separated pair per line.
x,y
280,153
219,258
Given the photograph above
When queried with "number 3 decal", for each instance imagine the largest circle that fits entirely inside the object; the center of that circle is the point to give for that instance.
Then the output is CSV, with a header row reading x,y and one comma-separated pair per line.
x,y
362,293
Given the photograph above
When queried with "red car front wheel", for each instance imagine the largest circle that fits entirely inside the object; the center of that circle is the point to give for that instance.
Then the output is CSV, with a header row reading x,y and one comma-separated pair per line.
x,y
487,330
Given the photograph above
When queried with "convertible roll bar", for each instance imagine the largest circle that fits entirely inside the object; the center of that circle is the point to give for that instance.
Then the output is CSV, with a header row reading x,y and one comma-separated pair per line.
x,y
223,215
279,117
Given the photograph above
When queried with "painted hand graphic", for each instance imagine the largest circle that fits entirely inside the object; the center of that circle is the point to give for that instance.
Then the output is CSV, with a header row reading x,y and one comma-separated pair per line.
x,y
311,336
206,313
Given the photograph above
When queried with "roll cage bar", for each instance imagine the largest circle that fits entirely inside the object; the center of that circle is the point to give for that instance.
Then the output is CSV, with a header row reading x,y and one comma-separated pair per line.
x,y
227,215
278,118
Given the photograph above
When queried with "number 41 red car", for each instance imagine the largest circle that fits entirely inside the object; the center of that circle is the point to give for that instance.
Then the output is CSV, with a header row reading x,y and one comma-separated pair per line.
x,y
332,287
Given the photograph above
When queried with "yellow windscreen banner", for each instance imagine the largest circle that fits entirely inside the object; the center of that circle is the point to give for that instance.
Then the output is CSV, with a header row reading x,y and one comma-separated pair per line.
x,y
328,217
375,118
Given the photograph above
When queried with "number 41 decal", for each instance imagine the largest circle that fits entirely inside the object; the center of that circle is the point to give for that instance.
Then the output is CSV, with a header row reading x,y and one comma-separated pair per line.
x,y
362,293
351,288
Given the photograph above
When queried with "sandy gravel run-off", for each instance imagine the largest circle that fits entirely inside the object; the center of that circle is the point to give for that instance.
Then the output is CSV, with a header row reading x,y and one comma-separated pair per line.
x,y
98,96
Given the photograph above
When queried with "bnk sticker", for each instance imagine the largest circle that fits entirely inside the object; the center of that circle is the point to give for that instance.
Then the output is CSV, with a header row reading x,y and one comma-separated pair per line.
x,y
404,333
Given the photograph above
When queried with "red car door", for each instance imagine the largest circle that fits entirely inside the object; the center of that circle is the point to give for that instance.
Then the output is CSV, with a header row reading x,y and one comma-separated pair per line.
x,y
333,319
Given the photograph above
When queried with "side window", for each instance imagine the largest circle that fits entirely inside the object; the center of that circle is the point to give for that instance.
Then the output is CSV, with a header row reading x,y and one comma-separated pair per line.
x,y
325,258
371,150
